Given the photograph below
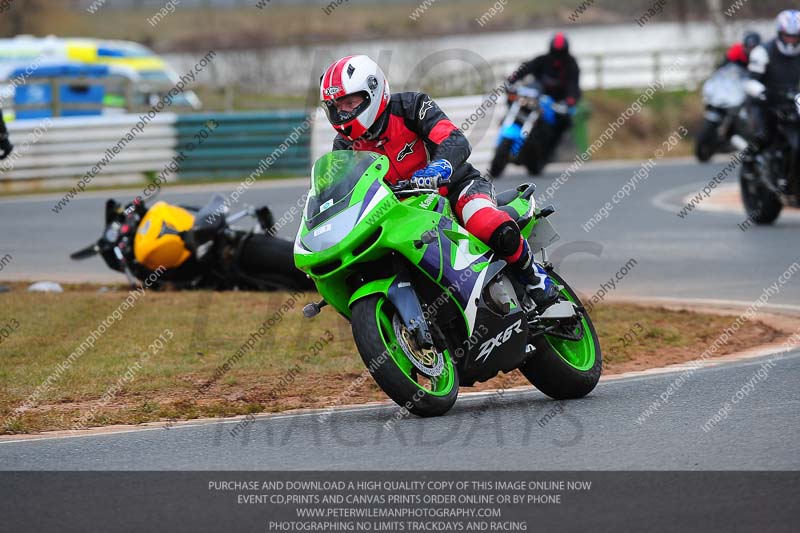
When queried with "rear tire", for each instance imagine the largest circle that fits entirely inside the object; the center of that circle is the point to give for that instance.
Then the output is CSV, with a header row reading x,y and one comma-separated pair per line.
x,y
391,368
762,205
565,369
501,158
270,260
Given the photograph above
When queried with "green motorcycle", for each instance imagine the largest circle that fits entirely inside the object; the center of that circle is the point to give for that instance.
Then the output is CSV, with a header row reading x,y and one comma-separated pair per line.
x,y
430,305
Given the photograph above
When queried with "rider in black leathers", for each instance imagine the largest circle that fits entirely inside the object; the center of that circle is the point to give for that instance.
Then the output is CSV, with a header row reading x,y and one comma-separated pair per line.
x,y
774,70
559,75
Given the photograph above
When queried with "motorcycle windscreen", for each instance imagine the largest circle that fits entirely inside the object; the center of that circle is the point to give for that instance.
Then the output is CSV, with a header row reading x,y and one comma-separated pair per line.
x,y
333,179
332,212
725,87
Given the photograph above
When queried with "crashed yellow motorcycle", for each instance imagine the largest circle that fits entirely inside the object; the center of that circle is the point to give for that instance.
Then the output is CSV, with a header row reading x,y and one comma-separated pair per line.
x,y
196,248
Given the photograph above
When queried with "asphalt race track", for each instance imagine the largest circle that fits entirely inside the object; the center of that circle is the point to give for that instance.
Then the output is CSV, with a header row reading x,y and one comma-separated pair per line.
x,y
703,256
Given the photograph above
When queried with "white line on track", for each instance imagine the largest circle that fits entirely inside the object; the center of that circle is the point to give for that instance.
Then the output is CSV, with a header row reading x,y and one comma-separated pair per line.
x,y
664,200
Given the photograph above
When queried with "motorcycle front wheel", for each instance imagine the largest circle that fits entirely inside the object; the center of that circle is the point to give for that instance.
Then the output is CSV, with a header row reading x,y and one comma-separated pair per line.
x,y
707,143
426,386
502,155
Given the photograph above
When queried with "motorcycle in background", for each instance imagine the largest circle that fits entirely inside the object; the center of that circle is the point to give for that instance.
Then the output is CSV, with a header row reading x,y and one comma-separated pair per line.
x,y
775,179
528,135
724,119
198,248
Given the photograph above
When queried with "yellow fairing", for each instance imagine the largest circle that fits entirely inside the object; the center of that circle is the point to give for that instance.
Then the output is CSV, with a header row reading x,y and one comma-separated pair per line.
x,y
157,242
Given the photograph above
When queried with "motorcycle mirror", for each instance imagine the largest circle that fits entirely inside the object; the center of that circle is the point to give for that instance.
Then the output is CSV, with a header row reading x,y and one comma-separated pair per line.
x,y
85,253
265,218
112,209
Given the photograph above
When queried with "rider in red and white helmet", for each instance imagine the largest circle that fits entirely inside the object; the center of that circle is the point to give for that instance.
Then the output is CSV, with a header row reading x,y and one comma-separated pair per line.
x,y
425,148
355,93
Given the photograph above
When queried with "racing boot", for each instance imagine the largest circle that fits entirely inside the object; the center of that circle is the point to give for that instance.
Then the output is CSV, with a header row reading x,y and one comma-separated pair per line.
x,y
537,283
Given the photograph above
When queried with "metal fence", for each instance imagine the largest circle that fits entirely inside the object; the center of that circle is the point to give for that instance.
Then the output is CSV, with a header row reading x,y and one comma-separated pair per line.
x,y
680,68
116,149
276,71
240,141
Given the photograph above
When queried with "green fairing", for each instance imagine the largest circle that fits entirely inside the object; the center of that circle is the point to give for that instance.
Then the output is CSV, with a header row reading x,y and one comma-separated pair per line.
x,y
402,223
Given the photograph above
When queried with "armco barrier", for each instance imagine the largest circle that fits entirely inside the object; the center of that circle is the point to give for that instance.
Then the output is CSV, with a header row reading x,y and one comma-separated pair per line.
x,y
239,142
59,152
68,148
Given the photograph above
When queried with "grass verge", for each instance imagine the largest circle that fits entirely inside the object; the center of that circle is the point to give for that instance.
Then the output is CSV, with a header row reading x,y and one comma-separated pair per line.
x,y
127,379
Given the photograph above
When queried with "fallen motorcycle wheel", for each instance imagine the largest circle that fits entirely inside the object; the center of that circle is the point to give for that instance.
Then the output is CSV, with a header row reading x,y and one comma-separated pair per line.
x,y
270,261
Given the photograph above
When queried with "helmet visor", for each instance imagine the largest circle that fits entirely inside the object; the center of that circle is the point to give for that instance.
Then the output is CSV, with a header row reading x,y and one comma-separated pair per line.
x,y
789,38
346,108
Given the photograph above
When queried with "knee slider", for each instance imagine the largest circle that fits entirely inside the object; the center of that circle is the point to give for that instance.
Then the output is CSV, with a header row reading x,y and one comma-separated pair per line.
x,y
505,239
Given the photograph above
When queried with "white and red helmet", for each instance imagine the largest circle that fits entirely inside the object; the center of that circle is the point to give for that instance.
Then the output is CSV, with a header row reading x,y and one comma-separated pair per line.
x,y
351,75
788,26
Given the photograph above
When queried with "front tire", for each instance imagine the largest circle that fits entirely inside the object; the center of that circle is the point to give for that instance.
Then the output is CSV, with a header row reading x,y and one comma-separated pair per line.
x,y
762,205
374,322
535,150
501,158
564,369
707,142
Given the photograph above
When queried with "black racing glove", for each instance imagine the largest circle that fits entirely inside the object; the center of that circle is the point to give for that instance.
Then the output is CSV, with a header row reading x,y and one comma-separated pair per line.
x,y
5,146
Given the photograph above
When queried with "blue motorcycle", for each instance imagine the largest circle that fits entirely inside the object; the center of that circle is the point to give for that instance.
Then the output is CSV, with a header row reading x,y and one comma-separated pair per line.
x,y
530,131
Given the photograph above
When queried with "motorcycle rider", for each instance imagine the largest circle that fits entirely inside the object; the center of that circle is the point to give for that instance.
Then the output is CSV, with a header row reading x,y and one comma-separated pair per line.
x,y
556,70
427,149
774,69
5,145
739,52
558,73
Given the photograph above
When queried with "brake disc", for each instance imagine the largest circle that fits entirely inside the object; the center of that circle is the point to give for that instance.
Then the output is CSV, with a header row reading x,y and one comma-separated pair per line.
x,y
429,361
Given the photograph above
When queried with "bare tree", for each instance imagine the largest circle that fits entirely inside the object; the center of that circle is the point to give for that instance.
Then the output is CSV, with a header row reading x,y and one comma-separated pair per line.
x,y
719,21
